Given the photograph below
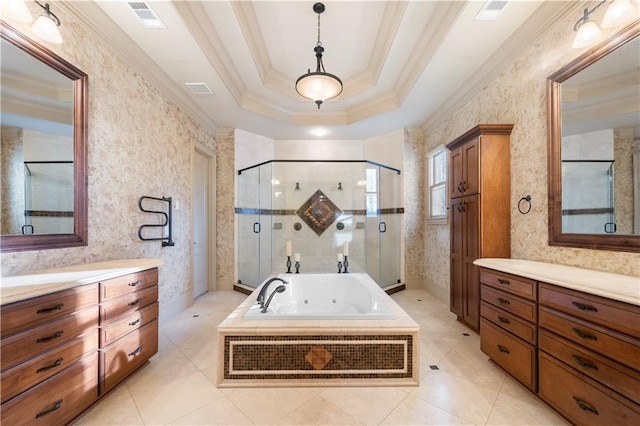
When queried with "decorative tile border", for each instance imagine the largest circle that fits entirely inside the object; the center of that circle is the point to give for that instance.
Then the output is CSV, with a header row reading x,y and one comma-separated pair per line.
x,y
286,212
282,358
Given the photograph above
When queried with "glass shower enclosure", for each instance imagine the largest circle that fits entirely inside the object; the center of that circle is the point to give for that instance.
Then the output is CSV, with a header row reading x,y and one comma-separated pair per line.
x,y
326,212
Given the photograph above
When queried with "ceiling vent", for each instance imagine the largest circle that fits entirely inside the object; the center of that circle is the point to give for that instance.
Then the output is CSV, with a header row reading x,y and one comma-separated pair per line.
x,y
146,15
491,10
199,89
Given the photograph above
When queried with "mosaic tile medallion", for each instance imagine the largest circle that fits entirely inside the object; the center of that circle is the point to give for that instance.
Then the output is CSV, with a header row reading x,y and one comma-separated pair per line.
x,y
318,357
319,212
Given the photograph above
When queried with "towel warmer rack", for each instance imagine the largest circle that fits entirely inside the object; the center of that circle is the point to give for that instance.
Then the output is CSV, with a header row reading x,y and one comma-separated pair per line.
x,y
166,241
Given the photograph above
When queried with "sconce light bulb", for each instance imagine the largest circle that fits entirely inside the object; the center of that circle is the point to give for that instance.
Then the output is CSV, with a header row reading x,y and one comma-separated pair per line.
x,y
16,10
618,12
588,33
46,29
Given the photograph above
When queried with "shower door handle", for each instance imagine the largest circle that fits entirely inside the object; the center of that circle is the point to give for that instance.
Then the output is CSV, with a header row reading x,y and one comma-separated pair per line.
x,y
256,228
382,227
610,228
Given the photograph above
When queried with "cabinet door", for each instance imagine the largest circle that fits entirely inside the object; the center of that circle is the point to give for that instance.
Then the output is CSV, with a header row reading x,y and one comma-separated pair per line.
x,y
470,251
471,167
455,173
456,285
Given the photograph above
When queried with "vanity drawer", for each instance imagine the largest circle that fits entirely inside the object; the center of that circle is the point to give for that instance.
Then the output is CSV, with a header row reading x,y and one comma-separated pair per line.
x,y
610,313
20,316
509,322
58,400
127,304
116,329
611,374
23,376
617,346
22,346
581,400
525,309
514,355
124,356
117,287
519,286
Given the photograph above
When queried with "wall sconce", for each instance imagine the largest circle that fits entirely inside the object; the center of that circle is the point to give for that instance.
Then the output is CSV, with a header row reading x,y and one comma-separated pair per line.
x,y
588,32
46,26
16,10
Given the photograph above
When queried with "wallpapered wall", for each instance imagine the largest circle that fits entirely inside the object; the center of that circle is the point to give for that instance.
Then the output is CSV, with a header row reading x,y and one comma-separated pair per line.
x,y
518,96
139,144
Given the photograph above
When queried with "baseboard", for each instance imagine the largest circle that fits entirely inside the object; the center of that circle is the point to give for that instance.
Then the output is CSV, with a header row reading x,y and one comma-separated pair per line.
x,y
244,289
394,288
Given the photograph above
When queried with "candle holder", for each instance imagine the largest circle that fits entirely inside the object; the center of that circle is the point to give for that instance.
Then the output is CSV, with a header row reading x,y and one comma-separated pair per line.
x,y
297,265
339,266
288,264
346,265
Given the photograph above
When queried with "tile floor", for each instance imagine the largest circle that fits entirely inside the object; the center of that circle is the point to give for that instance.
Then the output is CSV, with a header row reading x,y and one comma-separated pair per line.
x,y
178,386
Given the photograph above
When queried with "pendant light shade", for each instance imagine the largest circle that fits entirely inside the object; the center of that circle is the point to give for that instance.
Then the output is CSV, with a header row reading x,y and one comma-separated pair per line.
x,y
16,10
318,85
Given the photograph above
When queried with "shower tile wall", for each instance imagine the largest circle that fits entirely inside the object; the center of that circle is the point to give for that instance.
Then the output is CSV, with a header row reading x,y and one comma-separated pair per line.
x,y
318,253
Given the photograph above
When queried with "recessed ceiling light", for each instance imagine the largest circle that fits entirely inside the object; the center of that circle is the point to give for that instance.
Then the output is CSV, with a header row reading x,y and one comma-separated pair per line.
x,y
199,89
146,15
491,10
319,132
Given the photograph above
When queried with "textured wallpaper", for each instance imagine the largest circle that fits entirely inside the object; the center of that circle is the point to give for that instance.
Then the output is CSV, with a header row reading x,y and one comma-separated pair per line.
x,y
518,96
140,143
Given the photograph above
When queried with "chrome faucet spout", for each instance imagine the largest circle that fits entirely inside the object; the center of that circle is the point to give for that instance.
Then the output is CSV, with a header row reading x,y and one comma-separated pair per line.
x,y
278,289
263,290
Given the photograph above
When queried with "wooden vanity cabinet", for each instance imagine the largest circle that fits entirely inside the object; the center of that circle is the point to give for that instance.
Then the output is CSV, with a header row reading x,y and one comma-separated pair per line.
x,y
479,186
589,356
49,357
508,333
128,325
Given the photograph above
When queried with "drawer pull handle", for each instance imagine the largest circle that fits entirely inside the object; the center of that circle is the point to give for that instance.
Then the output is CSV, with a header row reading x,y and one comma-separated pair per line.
x,y
132,323
57,405
503,349
504,320
584,406
460,187
137,302
584,363
503,282
584,335
136,351
51,309
57,335
135,283
503,301
49,367
584,307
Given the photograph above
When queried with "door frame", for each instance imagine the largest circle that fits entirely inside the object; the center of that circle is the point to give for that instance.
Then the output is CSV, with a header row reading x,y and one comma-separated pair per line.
x,y
211,217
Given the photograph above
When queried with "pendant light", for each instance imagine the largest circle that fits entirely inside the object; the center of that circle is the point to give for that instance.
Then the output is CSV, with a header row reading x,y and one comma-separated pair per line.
x,y
16,10
318,85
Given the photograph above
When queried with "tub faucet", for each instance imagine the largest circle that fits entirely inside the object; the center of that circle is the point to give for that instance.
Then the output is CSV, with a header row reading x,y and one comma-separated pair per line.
x,y
263,290
278,289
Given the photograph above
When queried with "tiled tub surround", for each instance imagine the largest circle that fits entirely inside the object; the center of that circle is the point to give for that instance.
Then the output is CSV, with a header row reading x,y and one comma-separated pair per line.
x,y
317,352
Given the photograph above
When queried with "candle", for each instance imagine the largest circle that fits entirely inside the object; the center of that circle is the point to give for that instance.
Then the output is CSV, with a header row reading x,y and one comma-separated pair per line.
x,y
345,248
297,257
339,257
288,248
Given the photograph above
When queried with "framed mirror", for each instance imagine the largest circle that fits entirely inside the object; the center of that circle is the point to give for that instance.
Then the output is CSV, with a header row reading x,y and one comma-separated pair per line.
x,y
594,147
44,147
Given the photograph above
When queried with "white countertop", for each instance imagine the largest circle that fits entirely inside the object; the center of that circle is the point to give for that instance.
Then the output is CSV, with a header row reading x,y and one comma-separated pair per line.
x,y
22,287
623,288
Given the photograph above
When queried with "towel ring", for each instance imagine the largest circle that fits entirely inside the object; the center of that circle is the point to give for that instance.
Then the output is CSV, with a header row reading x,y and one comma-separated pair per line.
x,y
527,200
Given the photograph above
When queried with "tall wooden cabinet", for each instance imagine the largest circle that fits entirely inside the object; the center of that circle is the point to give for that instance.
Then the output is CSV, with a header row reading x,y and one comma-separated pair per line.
x,y
479,187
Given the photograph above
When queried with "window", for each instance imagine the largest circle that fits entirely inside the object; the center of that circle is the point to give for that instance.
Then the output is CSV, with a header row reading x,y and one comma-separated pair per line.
x,y
437,181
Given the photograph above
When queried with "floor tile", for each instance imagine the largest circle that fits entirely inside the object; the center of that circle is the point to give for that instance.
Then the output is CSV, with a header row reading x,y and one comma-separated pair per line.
x,y
318,411
219,412
368,405
117,408
268,405
414,411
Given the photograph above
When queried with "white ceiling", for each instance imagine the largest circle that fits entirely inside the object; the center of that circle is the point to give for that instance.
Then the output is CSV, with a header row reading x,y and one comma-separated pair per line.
x,y
403,63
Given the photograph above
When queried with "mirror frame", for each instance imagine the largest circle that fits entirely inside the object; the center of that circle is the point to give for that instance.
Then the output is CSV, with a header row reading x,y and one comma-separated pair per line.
x,y
13,243
629,242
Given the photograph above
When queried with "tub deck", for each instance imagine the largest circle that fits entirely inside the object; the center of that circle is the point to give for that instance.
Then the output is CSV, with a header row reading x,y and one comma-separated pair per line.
x,y
259,353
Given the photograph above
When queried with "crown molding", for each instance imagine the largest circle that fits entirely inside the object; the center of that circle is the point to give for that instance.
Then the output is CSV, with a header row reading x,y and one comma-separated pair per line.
x,y
92,17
